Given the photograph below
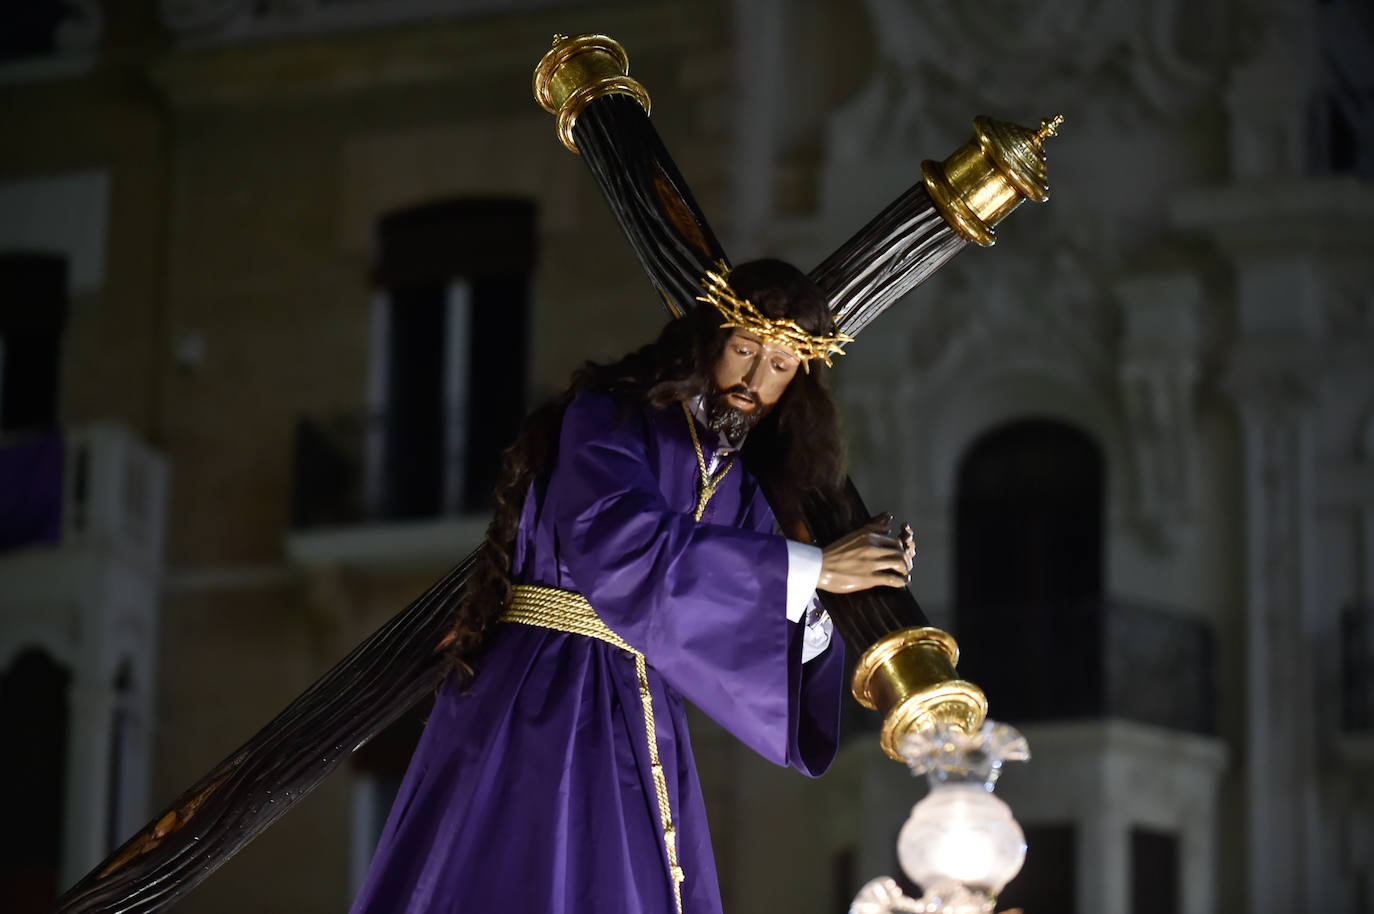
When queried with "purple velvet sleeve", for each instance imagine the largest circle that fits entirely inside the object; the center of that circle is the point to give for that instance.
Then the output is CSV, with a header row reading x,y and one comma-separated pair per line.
x,y
704,602
815,688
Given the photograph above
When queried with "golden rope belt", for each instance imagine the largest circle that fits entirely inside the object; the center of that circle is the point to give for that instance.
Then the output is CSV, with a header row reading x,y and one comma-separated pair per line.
x,y
566,611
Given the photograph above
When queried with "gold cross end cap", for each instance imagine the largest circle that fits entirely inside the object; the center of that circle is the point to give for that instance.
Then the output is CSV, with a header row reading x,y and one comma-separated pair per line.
x,y
577,71
990,175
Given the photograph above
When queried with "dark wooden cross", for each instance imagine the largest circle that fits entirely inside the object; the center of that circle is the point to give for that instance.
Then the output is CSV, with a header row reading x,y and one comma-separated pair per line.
x,y
906,667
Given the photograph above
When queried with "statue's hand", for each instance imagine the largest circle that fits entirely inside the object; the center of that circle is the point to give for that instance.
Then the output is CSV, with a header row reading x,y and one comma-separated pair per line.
x,y
868,557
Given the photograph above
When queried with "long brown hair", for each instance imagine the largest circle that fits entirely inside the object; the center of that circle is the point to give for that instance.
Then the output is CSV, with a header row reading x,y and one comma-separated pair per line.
x,y
793,451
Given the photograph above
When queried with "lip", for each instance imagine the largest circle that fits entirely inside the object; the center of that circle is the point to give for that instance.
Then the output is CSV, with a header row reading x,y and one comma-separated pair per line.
x,y
741,400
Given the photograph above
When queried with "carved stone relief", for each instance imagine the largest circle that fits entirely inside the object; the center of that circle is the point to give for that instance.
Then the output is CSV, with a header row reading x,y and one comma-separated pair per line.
x,y
1158,372
1270,88
1035,335
937,62
234,19
1050,295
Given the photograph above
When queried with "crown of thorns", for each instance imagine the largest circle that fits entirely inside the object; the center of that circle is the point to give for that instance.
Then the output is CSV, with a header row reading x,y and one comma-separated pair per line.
x,y
779,331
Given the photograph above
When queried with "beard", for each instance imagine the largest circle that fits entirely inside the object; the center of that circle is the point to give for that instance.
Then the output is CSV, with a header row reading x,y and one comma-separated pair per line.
x,y
730,421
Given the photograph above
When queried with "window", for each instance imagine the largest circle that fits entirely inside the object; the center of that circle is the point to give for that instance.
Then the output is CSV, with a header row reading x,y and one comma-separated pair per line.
x,y
1340,132
447,385
1028,575
31,28
33,774
33,296
449,353
33,305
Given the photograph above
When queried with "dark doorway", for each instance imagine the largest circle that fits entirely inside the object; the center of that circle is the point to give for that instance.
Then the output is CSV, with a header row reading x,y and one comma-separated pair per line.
x,y
1028,577
33,777
1155,884
1048,882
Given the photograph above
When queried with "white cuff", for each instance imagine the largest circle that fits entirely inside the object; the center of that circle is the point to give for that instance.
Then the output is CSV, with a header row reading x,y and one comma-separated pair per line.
x,y
803,573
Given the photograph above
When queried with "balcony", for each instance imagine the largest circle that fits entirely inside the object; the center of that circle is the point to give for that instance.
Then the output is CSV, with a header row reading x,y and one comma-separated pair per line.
x,y
1093,659
81,489
380,491
82,515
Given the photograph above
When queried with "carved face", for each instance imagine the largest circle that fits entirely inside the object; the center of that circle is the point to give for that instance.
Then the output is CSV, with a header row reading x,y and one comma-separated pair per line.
x,y
753,373
750,377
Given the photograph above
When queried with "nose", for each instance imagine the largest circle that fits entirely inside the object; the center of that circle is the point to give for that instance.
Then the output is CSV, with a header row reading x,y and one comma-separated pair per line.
x,y
751,371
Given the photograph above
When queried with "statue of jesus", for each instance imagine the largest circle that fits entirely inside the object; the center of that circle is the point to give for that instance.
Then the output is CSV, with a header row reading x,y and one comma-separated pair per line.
x,y
632,563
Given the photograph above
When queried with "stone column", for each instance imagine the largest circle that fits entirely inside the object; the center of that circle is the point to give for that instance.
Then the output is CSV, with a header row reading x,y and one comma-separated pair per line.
x,y
1197,853
1277,432
1276,312
1104,861
1277,236
1281,230
88,776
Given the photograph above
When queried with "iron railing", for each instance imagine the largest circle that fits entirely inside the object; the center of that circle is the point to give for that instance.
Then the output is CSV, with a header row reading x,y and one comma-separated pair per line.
x,y
1092,658
354,468
1357,668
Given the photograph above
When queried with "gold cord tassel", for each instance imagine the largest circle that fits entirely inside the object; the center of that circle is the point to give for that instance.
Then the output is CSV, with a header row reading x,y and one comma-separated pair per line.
x,y
566,611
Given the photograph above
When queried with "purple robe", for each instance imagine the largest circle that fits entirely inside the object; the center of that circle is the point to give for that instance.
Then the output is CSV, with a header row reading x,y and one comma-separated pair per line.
x,y
532,791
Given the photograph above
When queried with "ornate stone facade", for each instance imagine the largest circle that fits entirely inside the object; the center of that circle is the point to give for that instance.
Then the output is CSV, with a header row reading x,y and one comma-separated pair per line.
x,y
1195,297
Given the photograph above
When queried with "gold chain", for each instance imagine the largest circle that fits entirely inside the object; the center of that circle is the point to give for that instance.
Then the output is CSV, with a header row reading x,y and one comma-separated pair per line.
x,y
708,483
566,611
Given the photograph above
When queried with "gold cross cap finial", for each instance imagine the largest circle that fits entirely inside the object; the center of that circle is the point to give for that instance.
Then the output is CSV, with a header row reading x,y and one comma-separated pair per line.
x,y
1049,128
